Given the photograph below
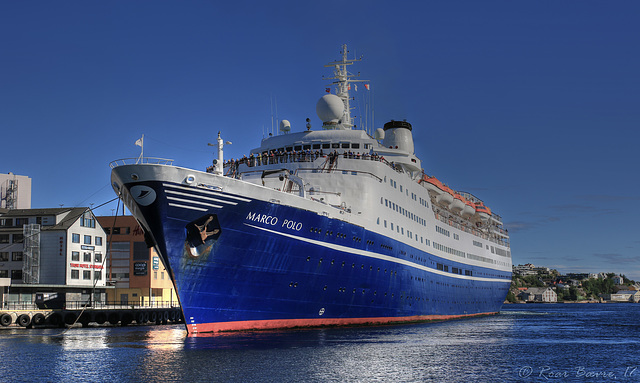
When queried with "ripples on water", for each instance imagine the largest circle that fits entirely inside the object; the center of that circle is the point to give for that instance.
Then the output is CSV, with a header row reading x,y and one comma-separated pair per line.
x,y
523,343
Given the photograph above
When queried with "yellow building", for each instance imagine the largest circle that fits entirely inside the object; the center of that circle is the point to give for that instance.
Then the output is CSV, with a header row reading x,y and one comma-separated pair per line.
x,y
136,271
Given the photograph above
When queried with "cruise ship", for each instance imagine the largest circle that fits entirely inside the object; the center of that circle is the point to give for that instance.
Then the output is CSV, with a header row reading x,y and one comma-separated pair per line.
x,y
327,227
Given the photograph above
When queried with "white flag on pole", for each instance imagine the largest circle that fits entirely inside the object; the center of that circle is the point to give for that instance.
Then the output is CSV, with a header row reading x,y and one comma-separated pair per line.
x,y
139,142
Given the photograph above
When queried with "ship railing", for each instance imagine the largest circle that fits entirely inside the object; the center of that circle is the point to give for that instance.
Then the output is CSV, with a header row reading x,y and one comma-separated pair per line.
x,y
79,305
232,165
451,222
350,171
140,160
75,305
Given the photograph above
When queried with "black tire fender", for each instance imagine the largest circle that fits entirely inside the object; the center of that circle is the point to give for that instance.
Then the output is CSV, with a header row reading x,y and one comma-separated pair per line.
x,y
23,320
5,319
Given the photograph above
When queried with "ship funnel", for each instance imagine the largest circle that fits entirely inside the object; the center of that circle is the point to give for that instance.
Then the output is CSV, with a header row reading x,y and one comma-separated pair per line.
x,y
397,135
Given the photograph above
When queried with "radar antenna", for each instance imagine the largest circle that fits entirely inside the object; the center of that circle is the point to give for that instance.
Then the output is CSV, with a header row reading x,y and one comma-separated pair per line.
x,y
343,84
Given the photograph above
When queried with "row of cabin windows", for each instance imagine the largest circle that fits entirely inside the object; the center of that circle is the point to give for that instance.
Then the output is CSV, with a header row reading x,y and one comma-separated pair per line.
x,y
324,145
410,234
454,270
397,208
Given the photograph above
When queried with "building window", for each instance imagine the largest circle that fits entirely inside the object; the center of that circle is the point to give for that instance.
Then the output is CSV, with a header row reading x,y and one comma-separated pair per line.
x,y
117,230
4,256
86,274
97,275
18,238
4,273
87,240
75,256
98,241
16,274
86,257
16,256
140,251
162,275
4,238
87,220
75,238
22,221
98,257
155,275
75,274
6,222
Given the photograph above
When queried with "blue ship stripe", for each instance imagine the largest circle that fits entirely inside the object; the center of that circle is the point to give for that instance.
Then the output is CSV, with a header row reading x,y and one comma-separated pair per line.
x,y
381,257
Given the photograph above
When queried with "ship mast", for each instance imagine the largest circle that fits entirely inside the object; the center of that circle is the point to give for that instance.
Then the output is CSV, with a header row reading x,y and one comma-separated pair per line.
x,y
343,84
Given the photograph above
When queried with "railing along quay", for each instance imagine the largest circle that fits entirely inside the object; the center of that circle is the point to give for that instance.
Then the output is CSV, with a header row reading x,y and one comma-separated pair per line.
x,y
29,315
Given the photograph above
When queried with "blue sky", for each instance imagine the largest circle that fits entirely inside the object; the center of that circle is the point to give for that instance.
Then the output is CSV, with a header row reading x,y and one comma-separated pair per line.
x,y
532,106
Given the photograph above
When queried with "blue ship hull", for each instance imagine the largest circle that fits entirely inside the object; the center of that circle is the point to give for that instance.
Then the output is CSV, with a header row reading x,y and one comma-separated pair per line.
x,y
253,264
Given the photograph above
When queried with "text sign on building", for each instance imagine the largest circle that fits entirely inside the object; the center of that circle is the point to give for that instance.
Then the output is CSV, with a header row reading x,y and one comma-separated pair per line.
x,y
140,268
156,263
85,266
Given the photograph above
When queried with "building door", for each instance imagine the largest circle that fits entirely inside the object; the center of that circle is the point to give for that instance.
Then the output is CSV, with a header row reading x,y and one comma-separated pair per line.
x,y
124,299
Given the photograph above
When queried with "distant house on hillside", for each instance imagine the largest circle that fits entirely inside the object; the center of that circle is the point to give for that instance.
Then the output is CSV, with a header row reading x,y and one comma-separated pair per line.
x,y
618,280
539,294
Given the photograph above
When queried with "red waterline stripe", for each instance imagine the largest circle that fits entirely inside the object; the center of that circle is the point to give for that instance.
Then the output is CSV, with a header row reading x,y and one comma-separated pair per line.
x,y
194,329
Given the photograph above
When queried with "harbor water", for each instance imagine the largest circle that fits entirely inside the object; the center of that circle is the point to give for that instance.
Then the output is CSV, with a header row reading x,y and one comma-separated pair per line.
x,y
524,343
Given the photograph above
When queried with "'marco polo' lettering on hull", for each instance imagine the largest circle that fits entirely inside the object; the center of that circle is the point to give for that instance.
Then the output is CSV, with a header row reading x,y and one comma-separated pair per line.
x,y
262,218
273,221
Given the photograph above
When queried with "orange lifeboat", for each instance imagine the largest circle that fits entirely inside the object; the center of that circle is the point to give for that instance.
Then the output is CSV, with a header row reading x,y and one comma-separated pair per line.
x,y
483,212
431,183
443,194
458,203
469,209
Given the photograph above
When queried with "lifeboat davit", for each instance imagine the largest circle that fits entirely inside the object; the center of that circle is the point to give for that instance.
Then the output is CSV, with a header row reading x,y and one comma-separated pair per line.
x,y
483,212
468,210
458,203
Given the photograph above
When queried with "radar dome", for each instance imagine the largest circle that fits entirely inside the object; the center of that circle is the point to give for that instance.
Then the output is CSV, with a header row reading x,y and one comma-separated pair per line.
x,y
330,108
285,126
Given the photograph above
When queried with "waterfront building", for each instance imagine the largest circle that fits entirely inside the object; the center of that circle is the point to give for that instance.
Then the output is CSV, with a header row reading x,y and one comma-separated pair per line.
x,y
15,191
58,250
622,296
539,294
135,271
